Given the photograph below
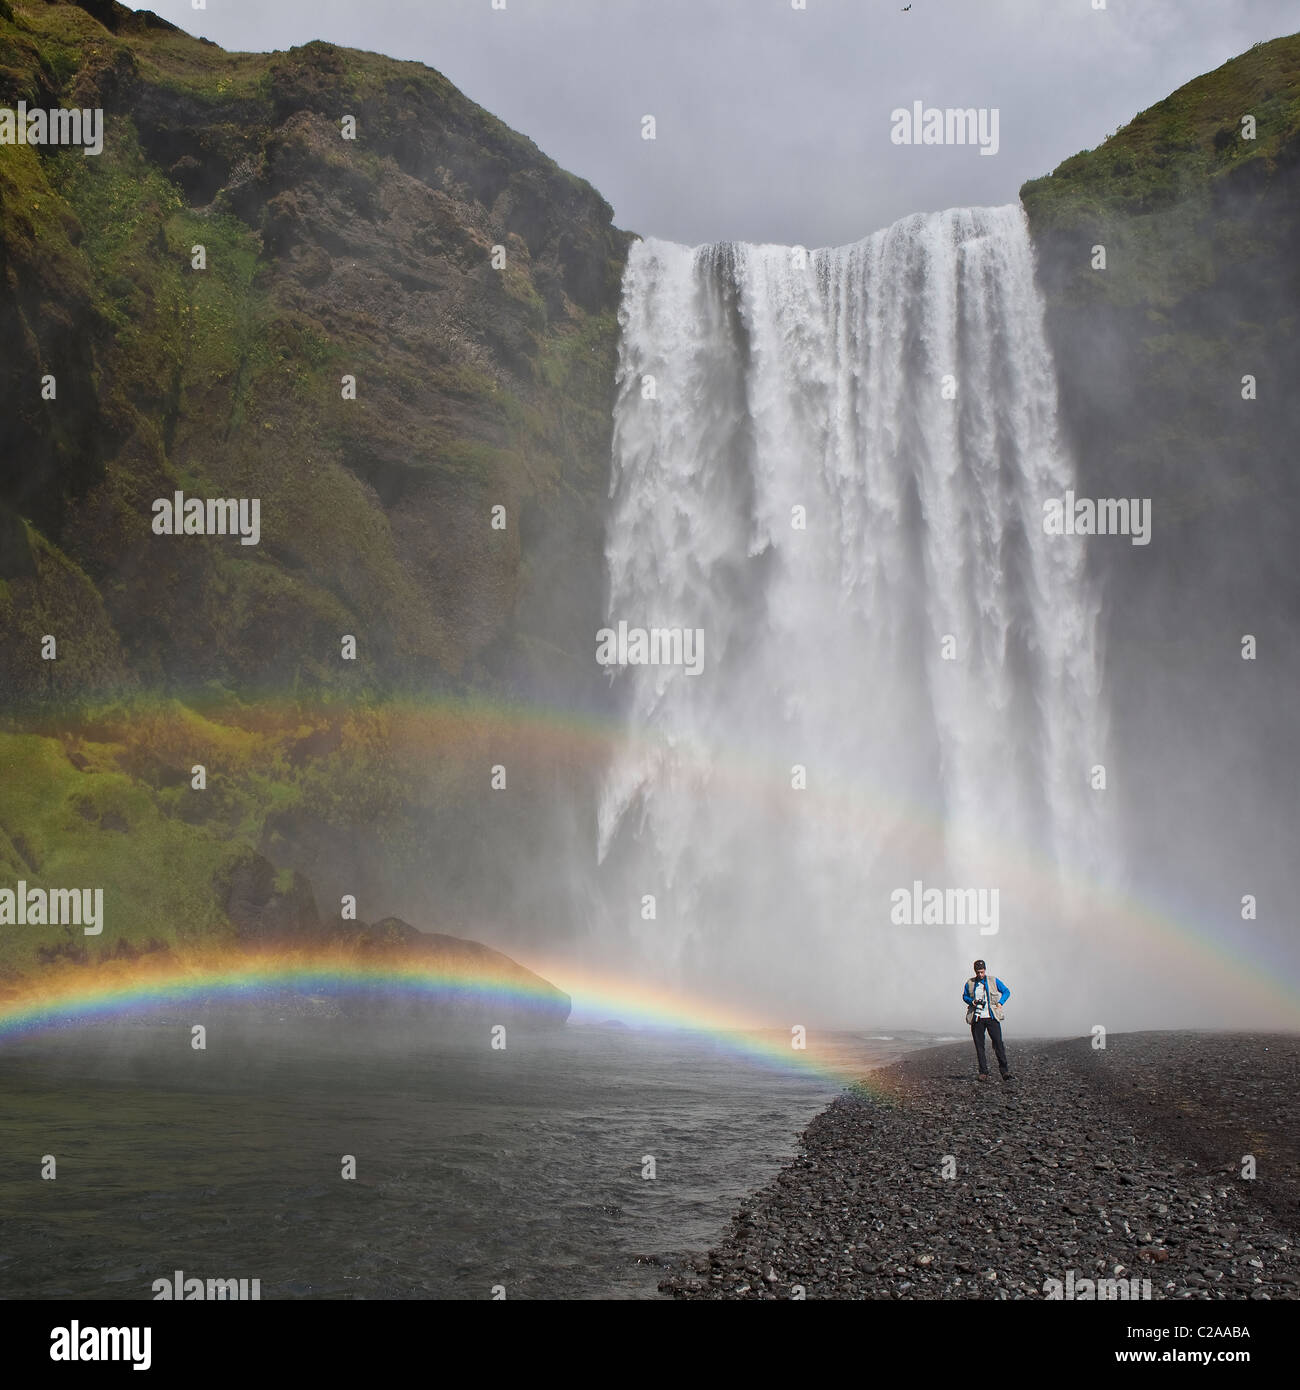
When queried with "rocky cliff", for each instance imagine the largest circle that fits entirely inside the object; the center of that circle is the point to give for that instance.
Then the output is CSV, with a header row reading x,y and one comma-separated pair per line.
x,y
1178,364
325,257
383,339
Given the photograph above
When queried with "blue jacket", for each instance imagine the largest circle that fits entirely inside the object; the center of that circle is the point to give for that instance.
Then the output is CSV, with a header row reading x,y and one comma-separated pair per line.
x,y
968,997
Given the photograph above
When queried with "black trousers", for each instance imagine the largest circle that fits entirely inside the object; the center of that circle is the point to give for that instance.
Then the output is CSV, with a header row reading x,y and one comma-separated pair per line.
x,y
994,1030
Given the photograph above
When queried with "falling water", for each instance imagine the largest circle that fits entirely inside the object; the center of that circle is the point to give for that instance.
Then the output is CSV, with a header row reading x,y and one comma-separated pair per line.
x,y
834,465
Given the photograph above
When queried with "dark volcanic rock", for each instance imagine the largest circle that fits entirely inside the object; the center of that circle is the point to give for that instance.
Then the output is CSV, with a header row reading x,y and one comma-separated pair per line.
x,y
1123,1164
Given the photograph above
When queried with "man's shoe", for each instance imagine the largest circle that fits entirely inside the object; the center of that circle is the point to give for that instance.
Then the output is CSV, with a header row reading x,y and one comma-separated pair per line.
x,y
984,1076
1006,1076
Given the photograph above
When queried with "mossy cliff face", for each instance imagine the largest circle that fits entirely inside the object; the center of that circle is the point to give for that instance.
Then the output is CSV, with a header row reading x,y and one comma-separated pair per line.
x,y
388,803
476,387
325,257
1201,288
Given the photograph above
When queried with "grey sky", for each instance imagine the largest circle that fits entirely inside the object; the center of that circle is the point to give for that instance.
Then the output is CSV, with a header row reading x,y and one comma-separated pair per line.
x,y
774,124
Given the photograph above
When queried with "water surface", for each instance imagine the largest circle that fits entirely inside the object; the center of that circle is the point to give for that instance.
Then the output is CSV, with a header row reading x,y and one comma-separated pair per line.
x,y
475,1168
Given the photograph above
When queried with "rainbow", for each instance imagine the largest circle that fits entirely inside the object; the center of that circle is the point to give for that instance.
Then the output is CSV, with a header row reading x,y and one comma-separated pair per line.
x,y
1254,974
118,989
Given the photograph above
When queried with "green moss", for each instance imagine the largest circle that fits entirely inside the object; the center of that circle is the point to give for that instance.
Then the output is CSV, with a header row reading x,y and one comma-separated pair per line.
x,y
62,828
226,382
1183,144
117,196
471,458
104,799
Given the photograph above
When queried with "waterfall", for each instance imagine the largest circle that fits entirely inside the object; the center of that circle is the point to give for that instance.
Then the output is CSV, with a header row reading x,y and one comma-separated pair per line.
x,y
833,465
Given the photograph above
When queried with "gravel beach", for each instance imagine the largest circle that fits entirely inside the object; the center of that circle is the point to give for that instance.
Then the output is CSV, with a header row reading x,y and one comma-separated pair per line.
x,y
1117,1164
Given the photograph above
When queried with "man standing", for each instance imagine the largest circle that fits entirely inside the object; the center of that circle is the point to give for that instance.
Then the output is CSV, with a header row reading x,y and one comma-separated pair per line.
x,y
984,1014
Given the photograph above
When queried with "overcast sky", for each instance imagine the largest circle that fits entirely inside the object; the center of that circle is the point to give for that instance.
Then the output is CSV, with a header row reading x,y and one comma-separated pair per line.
x,y
773,124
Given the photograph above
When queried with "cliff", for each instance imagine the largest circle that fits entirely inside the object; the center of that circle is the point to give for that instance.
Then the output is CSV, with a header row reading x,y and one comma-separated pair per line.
x,y
326,257
476,386
1177,364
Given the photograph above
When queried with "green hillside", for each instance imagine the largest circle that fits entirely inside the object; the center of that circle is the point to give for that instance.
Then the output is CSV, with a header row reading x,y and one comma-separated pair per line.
x,y
476,387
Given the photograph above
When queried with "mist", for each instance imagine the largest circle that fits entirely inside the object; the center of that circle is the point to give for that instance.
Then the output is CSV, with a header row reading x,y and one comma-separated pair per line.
x,y
1131,797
